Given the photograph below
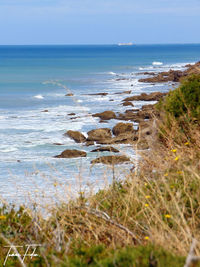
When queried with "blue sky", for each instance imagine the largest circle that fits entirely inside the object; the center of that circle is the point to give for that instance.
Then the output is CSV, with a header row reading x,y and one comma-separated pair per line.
x,y
99,22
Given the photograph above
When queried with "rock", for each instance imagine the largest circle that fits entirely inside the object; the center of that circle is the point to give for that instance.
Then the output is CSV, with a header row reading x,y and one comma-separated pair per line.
x,y
148,73
111,160
155,96
102,94
173,75
89,143
106,115
124,92
130,116
102,121
105,141
121,128
193,69
148,107
70,94
146,113
121,79
127,103
107,148
69,153
99,134
57,144
46,110
71,114
121,139
126,138
76,136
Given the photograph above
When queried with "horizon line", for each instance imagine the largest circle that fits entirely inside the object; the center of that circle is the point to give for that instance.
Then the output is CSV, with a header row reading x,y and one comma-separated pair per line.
x,y
96,44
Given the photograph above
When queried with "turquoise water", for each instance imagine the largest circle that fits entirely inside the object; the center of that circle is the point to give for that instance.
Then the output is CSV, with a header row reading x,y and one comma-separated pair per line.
x,y
37,78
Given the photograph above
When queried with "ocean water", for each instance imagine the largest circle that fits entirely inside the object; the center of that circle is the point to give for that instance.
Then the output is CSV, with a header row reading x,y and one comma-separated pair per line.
x,y
37,78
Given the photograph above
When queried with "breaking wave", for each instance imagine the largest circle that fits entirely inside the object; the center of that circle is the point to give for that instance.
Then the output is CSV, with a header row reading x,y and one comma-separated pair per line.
x,y
157,63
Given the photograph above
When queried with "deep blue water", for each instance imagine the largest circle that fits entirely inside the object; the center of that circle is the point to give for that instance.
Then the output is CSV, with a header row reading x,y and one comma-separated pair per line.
x,y
35,78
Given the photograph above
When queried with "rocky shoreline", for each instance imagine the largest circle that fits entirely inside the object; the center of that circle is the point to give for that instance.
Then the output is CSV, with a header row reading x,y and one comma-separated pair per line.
x,y
124,132
171,75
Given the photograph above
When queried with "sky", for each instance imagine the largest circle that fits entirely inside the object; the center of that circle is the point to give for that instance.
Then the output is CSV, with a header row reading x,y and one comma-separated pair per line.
x,y
99,21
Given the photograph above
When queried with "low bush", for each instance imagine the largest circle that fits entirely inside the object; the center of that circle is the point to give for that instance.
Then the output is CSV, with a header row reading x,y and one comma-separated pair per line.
x,y
185,100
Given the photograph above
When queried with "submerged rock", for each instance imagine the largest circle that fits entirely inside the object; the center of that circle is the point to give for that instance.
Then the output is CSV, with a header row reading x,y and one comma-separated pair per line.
x,y
107,148
102,121
57,144
111,160
70,94
102,94
106,115
76,136
72,153
124,92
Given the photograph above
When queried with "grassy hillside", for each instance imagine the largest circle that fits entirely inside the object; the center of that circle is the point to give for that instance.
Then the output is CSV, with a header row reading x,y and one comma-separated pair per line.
x,y
148,219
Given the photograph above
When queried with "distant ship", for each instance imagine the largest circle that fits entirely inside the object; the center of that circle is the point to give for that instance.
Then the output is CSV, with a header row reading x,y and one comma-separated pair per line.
x,y
120,44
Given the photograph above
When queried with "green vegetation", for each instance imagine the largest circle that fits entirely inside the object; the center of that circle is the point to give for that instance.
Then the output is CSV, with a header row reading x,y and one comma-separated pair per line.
x,y
149,219
185,99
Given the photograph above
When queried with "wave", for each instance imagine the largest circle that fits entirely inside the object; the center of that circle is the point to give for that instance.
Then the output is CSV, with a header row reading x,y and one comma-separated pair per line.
x,y
179,65
160,66
146,68
39,97
8,149
157,63
112,73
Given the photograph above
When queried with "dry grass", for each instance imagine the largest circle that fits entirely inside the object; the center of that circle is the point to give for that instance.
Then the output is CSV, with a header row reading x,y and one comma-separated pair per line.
x,y
159,204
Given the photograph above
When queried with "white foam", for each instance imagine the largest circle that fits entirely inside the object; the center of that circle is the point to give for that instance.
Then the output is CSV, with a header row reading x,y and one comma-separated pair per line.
x,y
8,149
112,73
38,96
157,63
104,98
179,66
146,68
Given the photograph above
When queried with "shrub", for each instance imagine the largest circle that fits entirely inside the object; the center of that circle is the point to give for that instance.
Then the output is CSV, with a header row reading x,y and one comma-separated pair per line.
x,y
185,100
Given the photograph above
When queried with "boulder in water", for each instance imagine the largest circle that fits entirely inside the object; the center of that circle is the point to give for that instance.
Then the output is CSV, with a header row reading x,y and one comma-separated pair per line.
x,y
72,153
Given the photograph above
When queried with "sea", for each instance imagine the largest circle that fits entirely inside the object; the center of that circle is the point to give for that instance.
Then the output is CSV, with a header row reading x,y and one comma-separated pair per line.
x,y
35,112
